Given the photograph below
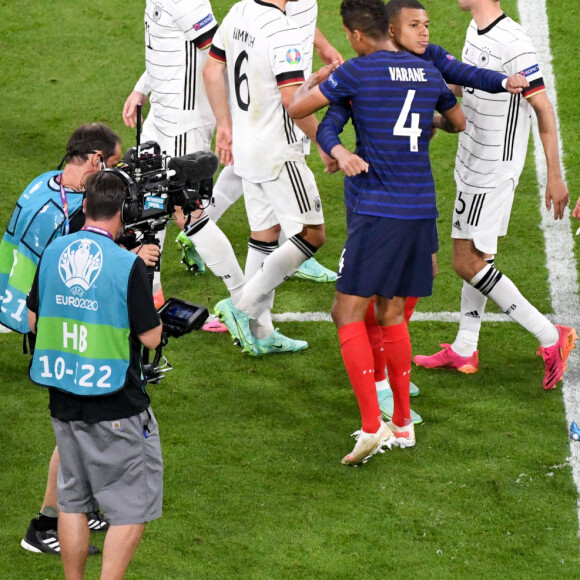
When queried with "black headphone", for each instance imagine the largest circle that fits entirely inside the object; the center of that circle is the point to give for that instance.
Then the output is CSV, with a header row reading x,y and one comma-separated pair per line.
x,y
131,209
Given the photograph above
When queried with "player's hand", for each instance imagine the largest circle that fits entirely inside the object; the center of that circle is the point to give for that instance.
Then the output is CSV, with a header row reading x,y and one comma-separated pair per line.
x,y
330,164
149,253
223,145
352,165
516,84
576,210
557,196
321,75
130,108
349,163
328,54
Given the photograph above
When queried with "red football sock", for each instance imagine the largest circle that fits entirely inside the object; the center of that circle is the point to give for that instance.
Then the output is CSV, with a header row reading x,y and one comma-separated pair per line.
x,y
376,339
410,304
398,351
358,360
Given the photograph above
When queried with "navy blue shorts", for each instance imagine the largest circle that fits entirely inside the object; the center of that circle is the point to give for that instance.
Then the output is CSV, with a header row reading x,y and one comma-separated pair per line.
x,y
388,257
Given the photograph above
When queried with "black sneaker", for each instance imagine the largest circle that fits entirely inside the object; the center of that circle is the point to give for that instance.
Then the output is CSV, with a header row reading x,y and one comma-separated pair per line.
x,y
46,541
97,522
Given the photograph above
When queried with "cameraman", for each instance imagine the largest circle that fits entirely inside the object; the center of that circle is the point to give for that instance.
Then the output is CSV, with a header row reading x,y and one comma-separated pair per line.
x,y
91,320
51,207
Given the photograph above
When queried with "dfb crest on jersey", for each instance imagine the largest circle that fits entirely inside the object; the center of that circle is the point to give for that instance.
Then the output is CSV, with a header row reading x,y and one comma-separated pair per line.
x,y
483,60
80,264
157,11
293,56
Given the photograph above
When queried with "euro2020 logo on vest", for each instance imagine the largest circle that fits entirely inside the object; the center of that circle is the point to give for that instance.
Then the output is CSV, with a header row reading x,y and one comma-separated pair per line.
x,y
80,264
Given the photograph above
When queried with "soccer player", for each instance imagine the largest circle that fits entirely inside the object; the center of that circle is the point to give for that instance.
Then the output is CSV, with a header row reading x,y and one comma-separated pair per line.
x,y
177,36
261,50
389,186
228,188
456,73
489,162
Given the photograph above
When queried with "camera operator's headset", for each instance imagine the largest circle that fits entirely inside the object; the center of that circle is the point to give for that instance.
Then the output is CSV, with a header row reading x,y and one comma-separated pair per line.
x,y
130,210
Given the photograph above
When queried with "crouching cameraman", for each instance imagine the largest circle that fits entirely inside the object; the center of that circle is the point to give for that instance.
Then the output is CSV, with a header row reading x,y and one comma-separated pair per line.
x,y
92,309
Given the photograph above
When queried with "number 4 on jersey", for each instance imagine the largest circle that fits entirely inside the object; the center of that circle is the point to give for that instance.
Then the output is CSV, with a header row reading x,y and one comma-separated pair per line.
x,y
413,132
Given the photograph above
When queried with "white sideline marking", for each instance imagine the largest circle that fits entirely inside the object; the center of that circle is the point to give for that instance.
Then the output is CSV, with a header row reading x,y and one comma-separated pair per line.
x,y
417,316
561,265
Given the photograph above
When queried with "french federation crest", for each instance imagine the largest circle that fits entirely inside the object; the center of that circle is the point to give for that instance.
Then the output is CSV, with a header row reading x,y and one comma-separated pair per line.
x,y
80,264
293,56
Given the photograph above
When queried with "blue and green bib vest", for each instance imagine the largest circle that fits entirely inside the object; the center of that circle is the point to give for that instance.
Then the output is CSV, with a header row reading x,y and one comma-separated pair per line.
x,y
37,219
82,344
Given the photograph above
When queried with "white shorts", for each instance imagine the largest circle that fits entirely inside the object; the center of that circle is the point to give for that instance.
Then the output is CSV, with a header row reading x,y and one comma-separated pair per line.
x,y
292,200
483,217
191,141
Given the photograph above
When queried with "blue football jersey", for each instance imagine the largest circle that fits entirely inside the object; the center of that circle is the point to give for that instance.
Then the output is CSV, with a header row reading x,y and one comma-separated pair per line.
x,y
392,96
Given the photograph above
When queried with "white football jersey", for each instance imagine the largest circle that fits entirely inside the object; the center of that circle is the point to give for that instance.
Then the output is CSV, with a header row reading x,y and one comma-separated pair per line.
x,y
177,32
304,14
494,144
262,49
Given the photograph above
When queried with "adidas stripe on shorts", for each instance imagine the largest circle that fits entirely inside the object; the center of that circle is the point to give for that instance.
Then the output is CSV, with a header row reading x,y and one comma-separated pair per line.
x,y
483,217
292,200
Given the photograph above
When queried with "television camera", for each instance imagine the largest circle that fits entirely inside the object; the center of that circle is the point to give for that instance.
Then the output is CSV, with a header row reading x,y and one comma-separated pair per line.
x,y
156,185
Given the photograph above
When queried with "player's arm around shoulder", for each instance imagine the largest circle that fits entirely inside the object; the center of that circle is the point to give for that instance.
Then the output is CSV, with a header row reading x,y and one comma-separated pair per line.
x,y
308,98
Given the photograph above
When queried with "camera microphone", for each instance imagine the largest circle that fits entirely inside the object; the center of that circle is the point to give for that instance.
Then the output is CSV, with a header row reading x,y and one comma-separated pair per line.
x,y
195,167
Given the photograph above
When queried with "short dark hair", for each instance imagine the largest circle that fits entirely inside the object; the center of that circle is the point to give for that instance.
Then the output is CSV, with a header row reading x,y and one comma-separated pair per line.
x,y
394,7
105,193
90,138
366,16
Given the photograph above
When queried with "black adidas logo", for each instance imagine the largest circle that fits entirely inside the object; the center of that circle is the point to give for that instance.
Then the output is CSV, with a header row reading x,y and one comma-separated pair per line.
x,y
457,225
473,314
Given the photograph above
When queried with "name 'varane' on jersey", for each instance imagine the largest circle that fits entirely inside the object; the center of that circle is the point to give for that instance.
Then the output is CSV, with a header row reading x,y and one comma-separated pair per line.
x,y
393,96
263,50
501,121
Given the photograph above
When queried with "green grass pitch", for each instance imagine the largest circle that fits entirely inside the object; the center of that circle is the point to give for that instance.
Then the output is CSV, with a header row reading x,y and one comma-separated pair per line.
x,y
254,487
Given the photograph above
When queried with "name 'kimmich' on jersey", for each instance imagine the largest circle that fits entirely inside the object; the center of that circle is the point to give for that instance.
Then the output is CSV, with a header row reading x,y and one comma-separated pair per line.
x,y
262,49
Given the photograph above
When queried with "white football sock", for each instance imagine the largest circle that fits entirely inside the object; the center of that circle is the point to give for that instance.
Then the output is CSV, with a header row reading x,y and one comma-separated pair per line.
x,y
504,293
383,385
261,325
226,191
277,267
216,251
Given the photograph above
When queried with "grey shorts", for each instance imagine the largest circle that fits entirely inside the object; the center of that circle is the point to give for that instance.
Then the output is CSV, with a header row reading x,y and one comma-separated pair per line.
x,y
118,463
